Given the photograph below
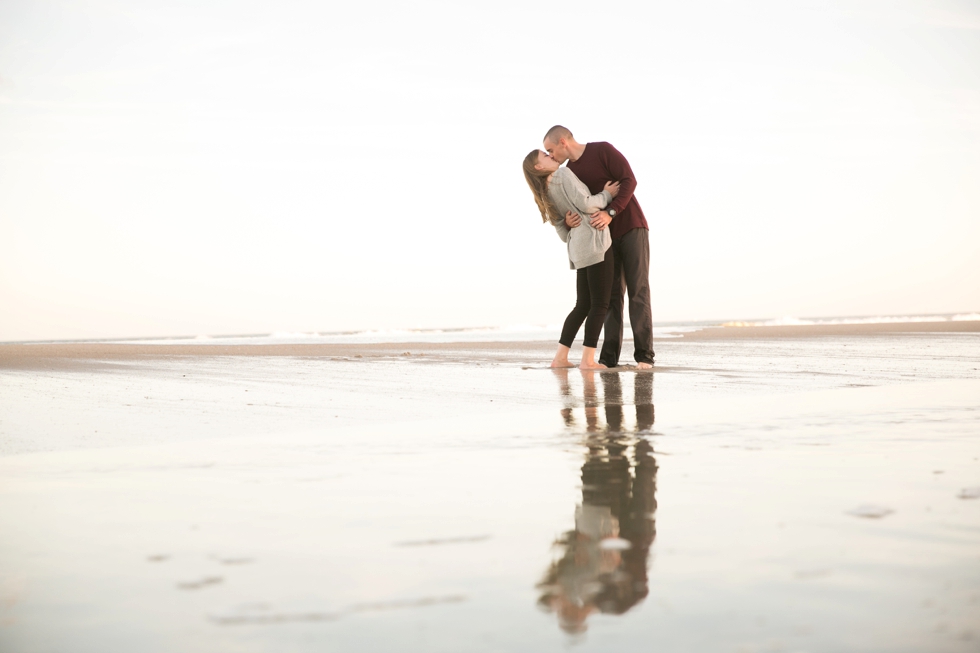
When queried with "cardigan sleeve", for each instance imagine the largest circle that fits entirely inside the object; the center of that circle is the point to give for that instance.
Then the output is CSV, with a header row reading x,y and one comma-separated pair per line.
x,y
578,194
562,229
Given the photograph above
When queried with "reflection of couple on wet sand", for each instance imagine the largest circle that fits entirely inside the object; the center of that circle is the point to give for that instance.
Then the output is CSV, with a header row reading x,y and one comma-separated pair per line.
x,y
602,564
610,251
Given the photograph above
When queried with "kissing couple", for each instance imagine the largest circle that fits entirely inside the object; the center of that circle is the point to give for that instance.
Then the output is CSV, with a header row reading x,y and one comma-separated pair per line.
x,y
610,252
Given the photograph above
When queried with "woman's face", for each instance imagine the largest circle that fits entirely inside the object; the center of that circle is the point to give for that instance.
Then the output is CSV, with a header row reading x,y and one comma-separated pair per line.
x,y
546,163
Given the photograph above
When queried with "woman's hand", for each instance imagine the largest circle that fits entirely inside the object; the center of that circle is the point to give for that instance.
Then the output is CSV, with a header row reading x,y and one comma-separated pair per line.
x,y
612,187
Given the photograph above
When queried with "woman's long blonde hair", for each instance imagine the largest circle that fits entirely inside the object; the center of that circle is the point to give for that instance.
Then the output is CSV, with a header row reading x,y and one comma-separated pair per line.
x,y
538,181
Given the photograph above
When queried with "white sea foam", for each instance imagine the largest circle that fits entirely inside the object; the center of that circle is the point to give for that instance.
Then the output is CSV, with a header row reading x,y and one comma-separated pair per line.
x,y
782,321
508,333
515,332
878,319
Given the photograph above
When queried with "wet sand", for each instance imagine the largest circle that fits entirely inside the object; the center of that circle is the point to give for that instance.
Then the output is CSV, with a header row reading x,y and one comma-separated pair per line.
x,y
753,493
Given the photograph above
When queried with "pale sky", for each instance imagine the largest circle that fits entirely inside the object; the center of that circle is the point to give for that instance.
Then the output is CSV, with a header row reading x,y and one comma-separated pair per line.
x,y
240,167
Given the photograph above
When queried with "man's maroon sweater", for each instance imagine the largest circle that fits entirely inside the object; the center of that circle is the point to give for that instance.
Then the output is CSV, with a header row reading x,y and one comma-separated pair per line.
x,y
599,163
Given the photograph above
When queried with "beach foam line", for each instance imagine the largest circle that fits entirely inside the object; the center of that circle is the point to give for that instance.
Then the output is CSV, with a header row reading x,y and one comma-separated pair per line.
x,y
521,332
878,319
505,333
517,333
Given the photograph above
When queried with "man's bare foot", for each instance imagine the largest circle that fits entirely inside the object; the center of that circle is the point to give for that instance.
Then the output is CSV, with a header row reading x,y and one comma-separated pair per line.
x,y
592,366
565,363
644,366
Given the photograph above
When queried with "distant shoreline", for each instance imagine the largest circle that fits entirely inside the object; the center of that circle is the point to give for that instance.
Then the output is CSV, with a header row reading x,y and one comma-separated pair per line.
x,y
68,355
823,330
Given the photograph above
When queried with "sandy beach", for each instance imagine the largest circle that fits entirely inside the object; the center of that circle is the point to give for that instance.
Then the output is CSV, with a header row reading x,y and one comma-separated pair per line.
x,y
281,285
763,489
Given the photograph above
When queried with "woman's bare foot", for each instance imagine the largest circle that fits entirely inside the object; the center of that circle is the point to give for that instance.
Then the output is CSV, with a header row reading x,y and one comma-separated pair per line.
x,y
561,357
644,366
588,360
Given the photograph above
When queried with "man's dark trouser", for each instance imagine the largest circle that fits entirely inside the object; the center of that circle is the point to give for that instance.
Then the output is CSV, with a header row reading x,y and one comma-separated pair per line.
x,y
632,275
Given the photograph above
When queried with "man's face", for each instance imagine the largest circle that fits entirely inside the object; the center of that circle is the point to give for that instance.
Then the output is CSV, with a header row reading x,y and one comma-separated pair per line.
x,y
558,151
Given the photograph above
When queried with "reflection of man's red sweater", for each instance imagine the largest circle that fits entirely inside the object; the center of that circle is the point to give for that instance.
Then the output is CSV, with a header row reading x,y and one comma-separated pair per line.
x,y
599,163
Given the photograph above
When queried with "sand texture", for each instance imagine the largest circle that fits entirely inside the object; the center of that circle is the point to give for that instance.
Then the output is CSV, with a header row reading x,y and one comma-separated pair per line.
x,y
751,493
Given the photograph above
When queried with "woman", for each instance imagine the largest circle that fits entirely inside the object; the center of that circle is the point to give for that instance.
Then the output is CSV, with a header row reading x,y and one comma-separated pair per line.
x,y
556,191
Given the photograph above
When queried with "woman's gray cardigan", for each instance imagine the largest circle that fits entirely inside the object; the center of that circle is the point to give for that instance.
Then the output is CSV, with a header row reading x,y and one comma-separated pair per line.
x,y
586,245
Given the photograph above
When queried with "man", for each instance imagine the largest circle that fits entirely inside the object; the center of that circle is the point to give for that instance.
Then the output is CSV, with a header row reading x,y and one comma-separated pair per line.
x,y
595,164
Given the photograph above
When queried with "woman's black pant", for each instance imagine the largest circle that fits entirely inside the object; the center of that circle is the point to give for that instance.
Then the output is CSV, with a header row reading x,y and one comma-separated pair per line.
x,y
593,286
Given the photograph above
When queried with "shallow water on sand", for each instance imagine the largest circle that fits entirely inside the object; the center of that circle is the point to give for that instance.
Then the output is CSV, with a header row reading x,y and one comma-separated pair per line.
x,y
746,497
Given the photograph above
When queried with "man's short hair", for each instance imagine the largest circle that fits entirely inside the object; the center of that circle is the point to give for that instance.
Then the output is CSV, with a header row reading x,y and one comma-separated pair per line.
x,y
557,133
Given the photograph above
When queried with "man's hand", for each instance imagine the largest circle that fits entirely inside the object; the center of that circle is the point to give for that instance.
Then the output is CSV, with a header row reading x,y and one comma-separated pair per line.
x,y
600,220
572,219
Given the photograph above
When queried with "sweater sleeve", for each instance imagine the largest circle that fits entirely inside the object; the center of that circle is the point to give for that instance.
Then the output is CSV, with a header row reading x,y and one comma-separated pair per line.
x,y
619,170
578,195
562,230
